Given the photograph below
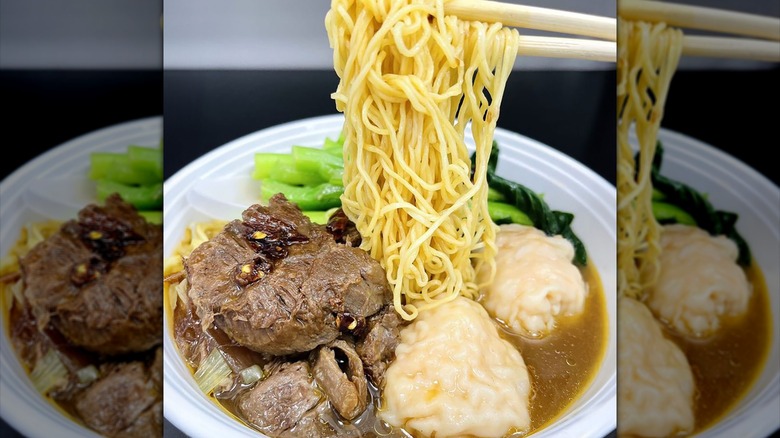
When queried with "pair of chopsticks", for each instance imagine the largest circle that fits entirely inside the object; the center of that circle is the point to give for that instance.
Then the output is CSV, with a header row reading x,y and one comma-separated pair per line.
x,y
763,42
531,17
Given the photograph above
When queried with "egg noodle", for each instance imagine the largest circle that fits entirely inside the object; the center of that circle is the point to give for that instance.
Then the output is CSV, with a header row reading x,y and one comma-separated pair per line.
x,y
412,78
648,55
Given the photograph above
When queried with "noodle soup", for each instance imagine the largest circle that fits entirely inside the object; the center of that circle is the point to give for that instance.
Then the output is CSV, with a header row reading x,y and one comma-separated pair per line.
x,y
595,382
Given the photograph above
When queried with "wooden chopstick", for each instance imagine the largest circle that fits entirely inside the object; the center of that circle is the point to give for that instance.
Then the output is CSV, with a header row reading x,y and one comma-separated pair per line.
x,y
573,48
550,20
711,19
531,17
701,18
735,48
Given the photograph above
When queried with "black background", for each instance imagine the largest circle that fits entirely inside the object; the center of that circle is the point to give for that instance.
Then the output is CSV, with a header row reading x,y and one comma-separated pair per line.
x,y
570,111
44,108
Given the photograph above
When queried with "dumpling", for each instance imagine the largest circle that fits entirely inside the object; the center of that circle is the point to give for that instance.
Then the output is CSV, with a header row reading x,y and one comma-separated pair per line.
x,y
655,382
535,280
453,375
699,281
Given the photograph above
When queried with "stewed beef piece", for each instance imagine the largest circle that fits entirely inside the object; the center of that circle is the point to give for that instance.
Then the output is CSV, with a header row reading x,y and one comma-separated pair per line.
x,y
278,403
377,349
279,284
288,404
339,372
98,280
126,401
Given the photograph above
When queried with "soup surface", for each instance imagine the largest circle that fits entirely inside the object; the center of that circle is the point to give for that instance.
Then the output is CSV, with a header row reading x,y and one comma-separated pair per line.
x,y
563,364
726,364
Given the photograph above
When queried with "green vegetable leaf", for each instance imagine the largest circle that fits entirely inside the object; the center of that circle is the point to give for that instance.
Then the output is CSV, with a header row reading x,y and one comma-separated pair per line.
x,y
141,197
308,198
493,160
530,205
533,206
695,207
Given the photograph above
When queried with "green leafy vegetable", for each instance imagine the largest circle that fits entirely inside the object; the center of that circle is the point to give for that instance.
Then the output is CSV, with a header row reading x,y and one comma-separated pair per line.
x,y
148,197
147,160
281,167
319,217
539,213
692,208
502,213
319,162
319,197
666,213
120,168
495,196
312,178
136,175
152,216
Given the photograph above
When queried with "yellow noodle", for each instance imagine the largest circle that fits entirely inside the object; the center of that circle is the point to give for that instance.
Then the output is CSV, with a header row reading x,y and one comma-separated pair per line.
x,y
412,78
194,235
30,235
648,55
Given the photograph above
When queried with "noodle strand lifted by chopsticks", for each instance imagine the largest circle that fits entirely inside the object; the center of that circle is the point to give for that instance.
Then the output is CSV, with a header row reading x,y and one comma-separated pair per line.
x,y
647,59
411,80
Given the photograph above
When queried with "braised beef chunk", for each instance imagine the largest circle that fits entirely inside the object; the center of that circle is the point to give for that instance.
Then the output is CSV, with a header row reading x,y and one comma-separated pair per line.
x,y
278,403
124,401
156,369
320,423
377,349
148,424
312,309
343,229
98,280
339,372
276,283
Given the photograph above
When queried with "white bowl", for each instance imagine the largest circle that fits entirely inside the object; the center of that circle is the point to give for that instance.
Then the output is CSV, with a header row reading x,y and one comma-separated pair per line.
x,y
54,185
218,186
733,186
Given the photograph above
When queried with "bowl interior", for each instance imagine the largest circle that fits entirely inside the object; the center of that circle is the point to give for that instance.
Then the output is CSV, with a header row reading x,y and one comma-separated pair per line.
x,y
52,186
733,186
218,186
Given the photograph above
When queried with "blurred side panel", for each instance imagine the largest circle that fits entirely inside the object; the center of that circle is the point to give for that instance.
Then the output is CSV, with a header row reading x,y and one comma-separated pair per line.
x,y
76,77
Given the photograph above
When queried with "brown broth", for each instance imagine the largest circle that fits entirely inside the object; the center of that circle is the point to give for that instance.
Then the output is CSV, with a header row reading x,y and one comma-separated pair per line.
x,y
561,365
727,364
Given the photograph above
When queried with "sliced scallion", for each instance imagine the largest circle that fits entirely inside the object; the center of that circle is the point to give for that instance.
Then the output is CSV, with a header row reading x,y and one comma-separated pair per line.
x,y
251,374
212,372
49,373
88,374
